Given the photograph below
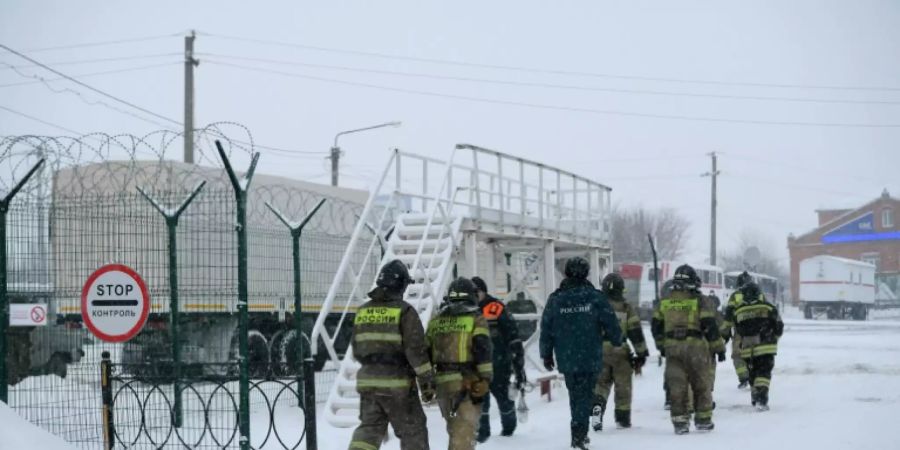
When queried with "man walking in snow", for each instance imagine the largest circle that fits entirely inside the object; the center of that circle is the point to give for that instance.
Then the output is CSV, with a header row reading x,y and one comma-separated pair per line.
x,y
573,325
619,363
685,331
389,342
758,324
509,358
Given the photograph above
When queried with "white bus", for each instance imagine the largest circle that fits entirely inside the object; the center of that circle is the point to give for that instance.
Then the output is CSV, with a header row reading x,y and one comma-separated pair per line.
x,y
767,284
639,282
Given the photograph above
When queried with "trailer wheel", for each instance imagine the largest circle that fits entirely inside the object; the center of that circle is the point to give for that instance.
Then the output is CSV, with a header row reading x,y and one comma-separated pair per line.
x,y
807,312
286,357
259,354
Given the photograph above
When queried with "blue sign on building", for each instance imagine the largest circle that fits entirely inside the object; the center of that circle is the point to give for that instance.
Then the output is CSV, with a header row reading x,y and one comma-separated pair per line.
x,y
860,229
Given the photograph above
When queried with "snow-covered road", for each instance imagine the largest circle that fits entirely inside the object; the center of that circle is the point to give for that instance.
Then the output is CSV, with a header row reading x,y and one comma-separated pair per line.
x,y
836,386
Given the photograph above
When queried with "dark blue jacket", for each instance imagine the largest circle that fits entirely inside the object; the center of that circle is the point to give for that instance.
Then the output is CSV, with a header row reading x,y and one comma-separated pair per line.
x,y
576,319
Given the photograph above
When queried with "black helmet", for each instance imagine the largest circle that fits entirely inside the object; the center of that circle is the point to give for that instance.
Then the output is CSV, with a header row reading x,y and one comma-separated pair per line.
x,y
666,289
394,276
577,267
686,276
751,292
613,285
480,285
743,279
461,290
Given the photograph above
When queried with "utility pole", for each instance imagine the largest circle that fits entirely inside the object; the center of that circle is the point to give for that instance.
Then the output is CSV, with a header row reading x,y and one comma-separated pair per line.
x,y
335,157
712,229
189,63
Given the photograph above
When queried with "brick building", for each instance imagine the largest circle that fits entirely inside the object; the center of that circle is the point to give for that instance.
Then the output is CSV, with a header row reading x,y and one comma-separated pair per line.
x,y
870,233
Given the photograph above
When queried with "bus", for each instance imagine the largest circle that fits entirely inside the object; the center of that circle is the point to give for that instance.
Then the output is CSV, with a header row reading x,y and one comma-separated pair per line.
x,y
767,284
639,282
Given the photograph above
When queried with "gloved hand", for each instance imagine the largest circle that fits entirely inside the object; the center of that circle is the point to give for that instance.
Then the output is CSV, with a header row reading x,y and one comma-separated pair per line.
x,y
478,389
726,337
662,352
637,362
427,388
520,378
549,364
720,356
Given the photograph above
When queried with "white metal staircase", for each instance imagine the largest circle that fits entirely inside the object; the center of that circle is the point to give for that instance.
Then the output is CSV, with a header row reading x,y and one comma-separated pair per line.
x,y
533,208
428,248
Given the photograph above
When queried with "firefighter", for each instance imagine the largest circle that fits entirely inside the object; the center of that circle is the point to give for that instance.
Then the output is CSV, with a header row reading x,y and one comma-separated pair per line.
x,y
389,342
758,324
619,362
508,357
736,298
572,326
685,331
460,346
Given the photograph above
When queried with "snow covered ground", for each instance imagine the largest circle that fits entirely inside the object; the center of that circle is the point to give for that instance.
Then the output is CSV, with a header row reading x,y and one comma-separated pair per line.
x,y
17,434
836,386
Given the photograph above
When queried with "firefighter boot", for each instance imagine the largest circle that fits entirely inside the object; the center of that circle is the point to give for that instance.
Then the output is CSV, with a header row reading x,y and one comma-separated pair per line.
x,y
623,419
682,427
704,424
762,398
597,414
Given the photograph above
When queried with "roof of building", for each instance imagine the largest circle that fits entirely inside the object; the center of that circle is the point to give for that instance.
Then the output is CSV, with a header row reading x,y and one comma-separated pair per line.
x,y
847,214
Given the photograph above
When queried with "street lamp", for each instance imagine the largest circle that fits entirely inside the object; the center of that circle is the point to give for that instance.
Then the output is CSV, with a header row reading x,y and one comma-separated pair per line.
x,y
336,151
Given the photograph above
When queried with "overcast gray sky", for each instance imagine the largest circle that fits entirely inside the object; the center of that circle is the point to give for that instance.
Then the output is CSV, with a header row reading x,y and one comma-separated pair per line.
x,y
774,175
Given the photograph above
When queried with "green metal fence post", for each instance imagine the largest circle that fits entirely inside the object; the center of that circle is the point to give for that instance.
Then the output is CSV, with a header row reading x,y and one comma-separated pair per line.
x,y
109,434
4,299
306,376
172,229
240,194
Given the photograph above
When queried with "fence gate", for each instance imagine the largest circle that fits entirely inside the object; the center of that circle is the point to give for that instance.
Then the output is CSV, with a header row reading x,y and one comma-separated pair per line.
x,y
224,351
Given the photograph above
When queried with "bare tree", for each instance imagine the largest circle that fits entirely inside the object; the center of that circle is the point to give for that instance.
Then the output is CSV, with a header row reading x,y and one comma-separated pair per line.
x,y
768,264
631,226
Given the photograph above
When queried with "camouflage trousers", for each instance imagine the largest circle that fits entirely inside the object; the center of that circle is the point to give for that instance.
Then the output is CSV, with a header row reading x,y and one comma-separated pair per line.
x,y
403,412
616,371
461,424
688,377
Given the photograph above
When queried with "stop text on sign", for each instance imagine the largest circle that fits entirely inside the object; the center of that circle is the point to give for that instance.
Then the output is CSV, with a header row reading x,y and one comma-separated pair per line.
x,y
115,303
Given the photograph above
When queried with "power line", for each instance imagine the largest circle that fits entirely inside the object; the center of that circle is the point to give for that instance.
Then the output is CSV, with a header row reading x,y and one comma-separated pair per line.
x,y
82,97
765,181
86,75
559,107
557,86
98,91
546,71
770,163
101,43
27,116
98,60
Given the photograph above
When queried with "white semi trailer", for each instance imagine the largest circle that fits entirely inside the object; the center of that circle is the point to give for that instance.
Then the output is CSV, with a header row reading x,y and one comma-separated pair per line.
x,y
836,288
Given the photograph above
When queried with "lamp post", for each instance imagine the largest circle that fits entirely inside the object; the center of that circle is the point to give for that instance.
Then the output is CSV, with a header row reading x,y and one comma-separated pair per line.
x,y
336,151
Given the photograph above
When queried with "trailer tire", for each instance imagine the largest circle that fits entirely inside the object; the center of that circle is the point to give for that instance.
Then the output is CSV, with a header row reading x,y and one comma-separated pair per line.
x,y
259,354
807,312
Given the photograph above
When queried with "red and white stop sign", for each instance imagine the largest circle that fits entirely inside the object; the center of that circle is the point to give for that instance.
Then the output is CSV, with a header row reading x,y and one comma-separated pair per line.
x,y
115,303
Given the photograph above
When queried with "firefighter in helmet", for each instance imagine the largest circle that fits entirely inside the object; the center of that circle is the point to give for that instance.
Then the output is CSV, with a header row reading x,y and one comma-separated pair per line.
x,y
685,331
389,342
759,326
619,363
509,359
460,347
736,298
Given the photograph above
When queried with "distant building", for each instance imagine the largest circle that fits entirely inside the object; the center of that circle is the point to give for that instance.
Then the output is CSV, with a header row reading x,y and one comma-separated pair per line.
x,y
869,233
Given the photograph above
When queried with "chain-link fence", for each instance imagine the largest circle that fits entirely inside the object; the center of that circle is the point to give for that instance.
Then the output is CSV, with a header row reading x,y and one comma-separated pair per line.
x,y
83,210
